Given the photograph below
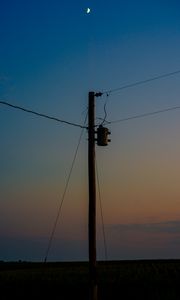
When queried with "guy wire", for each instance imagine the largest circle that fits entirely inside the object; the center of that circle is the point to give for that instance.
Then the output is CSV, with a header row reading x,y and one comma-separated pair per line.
x,y
64,194
102,218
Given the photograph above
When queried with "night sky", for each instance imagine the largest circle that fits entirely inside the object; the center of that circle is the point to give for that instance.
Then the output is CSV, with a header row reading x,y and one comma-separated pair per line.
x,y
52,53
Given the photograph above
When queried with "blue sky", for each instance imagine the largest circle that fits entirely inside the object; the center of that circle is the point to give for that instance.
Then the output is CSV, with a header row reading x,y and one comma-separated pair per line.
x,y
52,54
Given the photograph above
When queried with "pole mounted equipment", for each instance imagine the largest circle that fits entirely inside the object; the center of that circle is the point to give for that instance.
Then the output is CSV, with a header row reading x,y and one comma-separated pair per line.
x,y
102,132
102,136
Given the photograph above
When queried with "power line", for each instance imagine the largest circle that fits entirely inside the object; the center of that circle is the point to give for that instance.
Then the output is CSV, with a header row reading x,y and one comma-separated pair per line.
x,y
40,114
63,195
144,115
142,82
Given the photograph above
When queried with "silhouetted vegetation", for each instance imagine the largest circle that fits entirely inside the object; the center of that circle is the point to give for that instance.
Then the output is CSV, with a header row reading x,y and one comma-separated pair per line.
x,y
153,279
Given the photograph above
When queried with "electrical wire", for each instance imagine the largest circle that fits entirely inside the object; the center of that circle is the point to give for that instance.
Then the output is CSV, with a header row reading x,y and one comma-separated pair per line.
x,y
40,114
102,218
142,82
105,110
144,115
63,195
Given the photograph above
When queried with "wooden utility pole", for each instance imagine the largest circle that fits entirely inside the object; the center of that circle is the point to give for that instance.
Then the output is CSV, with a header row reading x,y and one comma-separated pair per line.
x,y
102,140
92,198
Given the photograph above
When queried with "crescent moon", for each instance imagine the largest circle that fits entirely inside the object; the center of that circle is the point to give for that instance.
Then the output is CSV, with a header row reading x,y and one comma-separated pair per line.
x,y
88,10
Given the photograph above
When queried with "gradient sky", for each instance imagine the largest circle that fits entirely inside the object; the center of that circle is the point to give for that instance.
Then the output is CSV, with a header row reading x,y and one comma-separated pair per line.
x,y
51,55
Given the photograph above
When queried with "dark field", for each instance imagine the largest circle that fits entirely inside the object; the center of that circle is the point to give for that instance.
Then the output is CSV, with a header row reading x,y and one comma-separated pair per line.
x,y
151,279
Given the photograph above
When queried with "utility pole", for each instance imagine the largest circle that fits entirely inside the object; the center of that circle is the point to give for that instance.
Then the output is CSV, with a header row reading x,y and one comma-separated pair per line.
x,y
102,140
92,198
